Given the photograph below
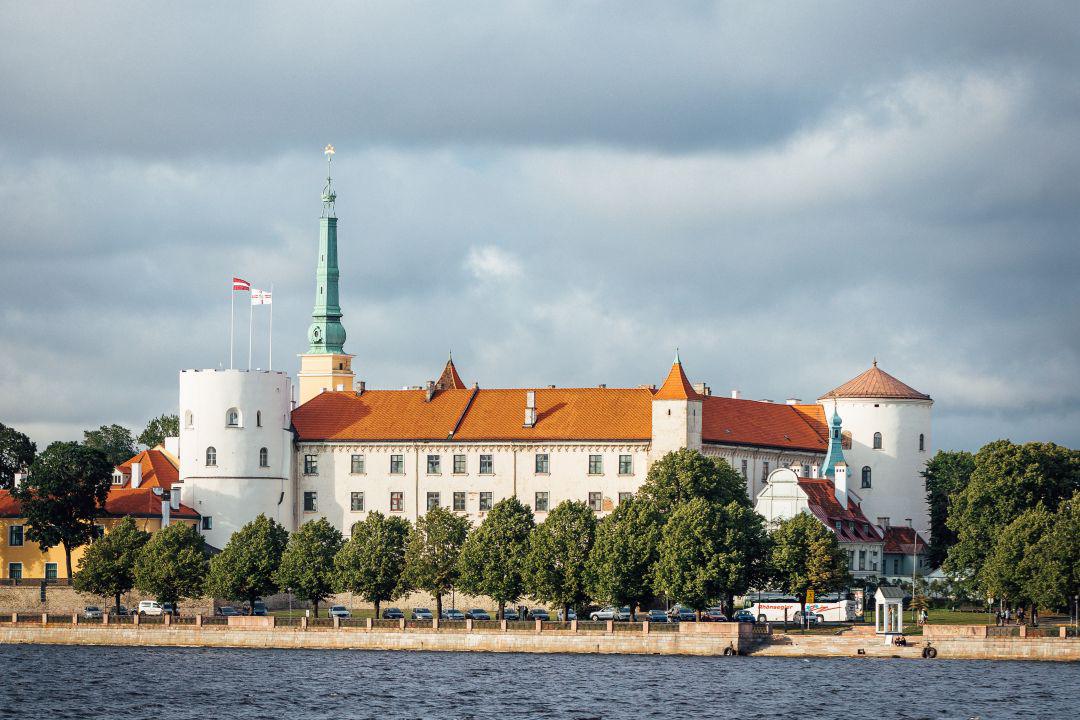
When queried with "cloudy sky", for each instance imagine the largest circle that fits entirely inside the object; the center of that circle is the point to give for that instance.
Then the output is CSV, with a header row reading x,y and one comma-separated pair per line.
x,y
562,193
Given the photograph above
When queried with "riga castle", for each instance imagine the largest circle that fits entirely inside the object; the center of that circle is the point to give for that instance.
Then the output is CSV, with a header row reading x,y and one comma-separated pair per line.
x,y
330,446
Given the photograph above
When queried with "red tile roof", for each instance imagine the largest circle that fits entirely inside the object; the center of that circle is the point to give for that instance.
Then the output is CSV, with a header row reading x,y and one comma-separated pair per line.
x,y
751,422
899,539
138,502
876,383
677,386
159,469
821,498
449,380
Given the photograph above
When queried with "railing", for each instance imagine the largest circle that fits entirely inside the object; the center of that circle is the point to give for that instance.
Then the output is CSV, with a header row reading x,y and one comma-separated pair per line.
x,y
487,625
664,627
286,621
385,624
452,624
1003,631
320,622
591,626
215,620
418,624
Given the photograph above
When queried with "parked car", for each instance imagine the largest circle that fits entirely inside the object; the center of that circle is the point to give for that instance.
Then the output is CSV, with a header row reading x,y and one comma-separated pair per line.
x,y
744,616
682,614
169,609
657,616
227,611
477,614
714,614
813,618
339,611
259,608
452,614
120,611
422,614
611,613
92,612
539,614
573,616
510,614
150,607
393,614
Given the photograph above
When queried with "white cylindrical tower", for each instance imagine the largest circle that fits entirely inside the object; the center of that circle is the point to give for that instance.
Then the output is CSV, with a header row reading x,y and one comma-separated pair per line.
x,y
236,449
888,426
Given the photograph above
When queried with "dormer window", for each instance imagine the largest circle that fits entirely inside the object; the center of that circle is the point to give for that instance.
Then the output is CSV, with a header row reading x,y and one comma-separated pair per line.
x,y
232,417
118,478
839,526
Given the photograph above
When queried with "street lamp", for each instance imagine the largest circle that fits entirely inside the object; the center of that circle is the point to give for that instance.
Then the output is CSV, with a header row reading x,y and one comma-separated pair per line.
x,y
914,551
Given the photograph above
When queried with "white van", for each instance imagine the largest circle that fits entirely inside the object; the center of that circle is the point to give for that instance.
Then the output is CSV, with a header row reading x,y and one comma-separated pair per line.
x,y
150,607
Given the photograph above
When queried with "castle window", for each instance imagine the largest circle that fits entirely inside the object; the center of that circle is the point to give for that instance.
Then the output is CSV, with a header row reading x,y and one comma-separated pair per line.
x,y
50,571
459,465
356,501
232,417
311,464
432,500
357,465
397,464
487,465
15,570
625,497
596,501
15,535
485,501
543,466
396,501
922,442
541,502
211,456
258,418
743,470
189,420
264,457
207,522
434,464
626,464
866,476
596,464
862,559
765,471
877,441
459,501
311,501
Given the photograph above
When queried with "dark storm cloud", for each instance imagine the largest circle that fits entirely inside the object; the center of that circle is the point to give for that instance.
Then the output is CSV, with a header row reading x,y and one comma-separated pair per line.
x,y
560,193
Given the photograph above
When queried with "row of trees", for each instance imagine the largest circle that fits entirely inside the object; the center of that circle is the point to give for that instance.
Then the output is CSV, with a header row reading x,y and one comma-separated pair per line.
x,y
1006,521
689,534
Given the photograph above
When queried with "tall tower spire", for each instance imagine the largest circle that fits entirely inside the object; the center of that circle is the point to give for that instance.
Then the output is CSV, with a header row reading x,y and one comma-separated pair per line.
x,y
326,365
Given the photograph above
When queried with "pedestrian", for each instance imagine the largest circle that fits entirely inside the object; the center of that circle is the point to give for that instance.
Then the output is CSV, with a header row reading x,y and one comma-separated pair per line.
x,y
997,618
1035,616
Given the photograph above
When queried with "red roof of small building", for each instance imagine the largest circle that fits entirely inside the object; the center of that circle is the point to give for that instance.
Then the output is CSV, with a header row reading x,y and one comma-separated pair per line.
x,y
876,383
853,525
901,538
159,468
449,380
137,502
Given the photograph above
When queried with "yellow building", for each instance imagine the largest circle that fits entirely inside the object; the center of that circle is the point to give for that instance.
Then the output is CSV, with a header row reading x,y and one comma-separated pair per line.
x,y
139,487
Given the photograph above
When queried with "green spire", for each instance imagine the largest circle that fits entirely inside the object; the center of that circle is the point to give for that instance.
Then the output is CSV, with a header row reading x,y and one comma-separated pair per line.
x,y
327,334
836,445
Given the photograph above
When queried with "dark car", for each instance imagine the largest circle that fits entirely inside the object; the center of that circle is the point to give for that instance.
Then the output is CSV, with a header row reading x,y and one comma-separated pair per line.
x,y
682,614
511,614
452,614
713,614
227,611
393,614
657,616
477,614
540,614
259,609
422,614
744,616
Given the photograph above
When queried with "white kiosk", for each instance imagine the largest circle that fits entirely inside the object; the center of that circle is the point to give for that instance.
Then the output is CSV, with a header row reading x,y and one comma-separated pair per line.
x,y
889,617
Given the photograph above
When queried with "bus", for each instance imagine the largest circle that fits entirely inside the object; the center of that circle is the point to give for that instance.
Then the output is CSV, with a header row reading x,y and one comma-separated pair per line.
x,y
785,610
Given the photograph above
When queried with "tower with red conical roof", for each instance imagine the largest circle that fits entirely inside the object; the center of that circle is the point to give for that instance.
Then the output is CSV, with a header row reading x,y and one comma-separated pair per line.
x,y
676,414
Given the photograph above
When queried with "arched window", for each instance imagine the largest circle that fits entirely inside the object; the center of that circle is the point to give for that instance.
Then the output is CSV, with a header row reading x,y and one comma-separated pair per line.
x,y
189,420
211,456
264,457
877,441
232,417
258,418
922,442
866,476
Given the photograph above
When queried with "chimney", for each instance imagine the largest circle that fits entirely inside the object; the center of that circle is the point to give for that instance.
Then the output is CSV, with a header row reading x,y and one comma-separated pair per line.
x,y
603,386
174,497
883,522
136,474
340,387
735,395
159,492
793,401
796,468
530,408
840,483
429,391
908,521
360,388
815,471
702,389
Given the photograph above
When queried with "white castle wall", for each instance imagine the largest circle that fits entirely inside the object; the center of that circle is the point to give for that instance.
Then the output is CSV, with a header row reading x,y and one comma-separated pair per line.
x,y
237,487
897,488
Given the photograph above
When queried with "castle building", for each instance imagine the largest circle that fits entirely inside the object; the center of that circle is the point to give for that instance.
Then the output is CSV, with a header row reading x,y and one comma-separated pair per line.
x,y
347,449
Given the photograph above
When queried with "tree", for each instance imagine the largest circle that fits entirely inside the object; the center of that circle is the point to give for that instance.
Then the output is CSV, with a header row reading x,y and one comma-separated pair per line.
x,y
157,429
1013,561
1007,480
710,552
108,565
172,564
16,455
947,473
431,555
806,555
115,441
307,565
685,474
63,494
492,559
246,567
626,547
556,564
372,563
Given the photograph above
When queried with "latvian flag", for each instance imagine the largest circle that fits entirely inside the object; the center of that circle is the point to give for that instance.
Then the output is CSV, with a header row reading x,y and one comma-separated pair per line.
x,y
241,284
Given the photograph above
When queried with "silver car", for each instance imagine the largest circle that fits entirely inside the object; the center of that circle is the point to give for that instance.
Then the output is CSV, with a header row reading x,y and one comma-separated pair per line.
x,y
92,612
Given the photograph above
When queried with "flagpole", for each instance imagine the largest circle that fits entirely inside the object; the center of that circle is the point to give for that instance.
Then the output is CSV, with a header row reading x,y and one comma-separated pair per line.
x,y
251,326
232,320
270,339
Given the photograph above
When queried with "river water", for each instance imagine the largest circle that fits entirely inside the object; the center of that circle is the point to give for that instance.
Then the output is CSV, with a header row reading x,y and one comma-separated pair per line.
x,y
208,684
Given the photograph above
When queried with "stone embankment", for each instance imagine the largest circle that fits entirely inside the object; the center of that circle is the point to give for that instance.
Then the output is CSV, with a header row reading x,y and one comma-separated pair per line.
x,y
532,636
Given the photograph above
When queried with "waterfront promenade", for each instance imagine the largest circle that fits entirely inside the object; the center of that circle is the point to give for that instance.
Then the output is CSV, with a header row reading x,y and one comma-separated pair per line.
x,y
951,642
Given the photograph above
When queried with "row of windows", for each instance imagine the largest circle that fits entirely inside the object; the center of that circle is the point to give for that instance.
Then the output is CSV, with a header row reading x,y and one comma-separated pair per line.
x,y
541,501
233,419
211,457
541,463
15,570
862,560
878,442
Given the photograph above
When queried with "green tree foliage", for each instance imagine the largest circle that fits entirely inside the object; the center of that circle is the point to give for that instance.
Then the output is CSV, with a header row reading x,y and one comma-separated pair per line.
x,y
556,570
492,559
115,441
63,494
710,552
108,565
626,547
372,563
16,455
1008,479
247,566
172,564
947,473
432,553
806,555
307,565
158,429
683,475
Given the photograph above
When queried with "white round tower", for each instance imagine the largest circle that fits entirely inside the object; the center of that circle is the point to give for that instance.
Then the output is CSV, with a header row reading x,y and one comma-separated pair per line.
x,y
236,449
886,423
